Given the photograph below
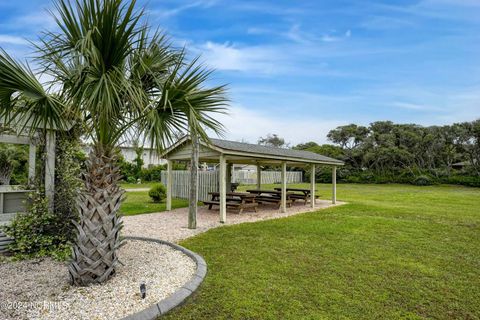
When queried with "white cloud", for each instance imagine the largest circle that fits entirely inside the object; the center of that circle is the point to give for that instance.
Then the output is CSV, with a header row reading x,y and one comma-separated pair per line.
x,y
461,3
426,105
334,37
463,105
167,13
40,19
329,38
267,8
234,58
298,35
8,39
259,30
307,58
462,10
415,106
387,22
249,125
295,34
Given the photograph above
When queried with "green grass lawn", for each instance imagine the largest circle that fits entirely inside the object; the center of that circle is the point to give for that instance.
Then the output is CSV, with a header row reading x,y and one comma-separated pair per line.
x,y
138,202
393,252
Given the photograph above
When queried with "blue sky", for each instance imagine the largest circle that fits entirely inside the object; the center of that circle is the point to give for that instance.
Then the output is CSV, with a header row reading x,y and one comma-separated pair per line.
x,y
301,68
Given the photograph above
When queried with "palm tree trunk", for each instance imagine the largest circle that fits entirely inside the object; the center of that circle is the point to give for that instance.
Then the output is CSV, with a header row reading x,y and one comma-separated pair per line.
x,y
98,239
6,174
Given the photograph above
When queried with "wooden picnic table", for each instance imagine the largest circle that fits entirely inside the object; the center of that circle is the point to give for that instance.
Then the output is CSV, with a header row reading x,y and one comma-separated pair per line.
x,y
295,196
271,196
304,191
271,192
240,200
233,194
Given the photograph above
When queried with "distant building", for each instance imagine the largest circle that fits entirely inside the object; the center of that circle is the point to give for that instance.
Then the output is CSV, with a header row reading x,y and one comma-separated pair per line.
x,y
150,156
463,164
245,167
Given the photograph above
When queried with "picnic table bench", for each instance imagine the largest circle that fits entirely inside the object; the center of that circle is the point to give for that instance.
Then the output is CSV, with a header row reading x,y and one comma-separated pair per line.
x,y
304,195
271,196
239,200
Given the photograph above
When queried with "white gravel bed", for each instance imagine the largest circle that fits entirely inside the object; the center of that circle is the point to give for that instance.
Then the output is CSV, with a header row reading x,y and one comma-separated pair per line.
x,y
39,289
172,225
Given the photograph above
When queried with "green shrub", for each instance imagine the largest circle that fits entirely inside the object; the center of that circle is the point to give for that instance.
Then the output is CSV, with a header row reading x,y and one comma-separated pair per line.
x,y
470,181
158,192
422,181
127,169
131,180
152,173
404,177
397,175
37,233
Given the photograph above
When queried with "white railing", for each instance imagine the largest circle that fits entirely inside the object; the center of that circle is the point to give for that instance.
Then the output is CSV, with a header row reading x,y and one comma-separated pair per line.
x,y
208,181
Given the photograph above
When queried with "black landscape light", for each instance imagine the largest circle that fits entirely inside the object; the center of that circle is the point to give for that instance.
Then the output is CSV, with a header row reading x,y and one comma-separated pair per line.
x,y
143,290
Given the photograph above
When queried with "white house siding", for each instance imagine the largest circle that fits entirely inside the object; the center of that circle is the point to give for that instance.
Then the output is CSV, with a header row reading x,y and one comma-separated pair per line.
x,y
149,157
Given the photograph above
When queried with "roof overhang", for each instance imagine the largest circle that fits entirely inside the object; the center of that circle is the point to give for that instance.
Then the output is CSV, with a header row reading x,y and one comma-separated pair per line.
x,y
246,157
21,124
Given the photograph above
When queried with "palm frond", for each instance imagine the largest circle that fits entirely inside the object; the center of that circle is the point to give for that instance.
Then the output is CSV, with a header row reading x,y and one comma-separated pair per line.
x,y
185,105
24,101
90,57
116,75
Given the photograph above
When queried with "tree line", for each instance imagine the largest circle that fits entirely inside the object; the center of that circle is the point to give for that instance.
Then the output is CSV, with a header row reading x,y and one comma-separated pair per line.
x,y
405,153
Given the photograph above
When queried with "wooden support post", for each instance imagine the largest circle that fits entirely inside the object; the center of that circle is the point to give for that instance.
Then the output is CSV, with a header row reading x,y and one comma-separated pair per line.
x,y
312,186
32,152
334,185
259,177
50,169
229,177
169,185
193,192
2,205
283,206
223,189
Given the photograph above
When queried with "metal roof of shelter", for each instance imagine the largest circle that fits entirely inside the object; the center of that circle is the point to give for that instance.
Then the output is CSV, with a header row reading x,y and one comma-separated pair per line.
x,y
244,152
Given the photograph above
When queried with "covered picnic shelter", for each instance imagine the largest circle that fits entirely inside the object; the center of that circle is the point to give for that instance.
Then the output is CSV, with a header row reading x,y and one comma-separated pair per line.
x,y
227,153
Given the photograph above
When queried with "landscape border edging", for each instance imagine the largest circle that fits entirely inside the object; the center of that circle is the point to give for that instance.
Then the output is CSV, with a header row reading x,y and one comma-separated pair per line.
x,y
180,295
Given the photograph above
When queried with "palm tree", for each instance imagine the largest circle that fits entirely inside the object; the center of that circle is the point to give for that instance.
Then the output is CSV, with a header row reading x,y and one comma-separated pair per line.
x,y
112,74
10,158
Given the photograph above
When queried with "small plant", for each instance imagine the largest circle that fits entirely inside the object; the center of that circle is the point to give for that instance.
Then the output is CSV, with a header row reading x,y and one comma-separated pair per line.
x,y
158,192
42,232
131,180
153,173
36,232
422,181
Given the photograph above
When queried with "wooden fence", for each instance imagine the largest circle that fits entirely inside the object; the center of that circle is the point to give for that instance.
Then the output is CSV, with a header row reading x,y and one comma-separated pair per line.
x,y
268,177
208,181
